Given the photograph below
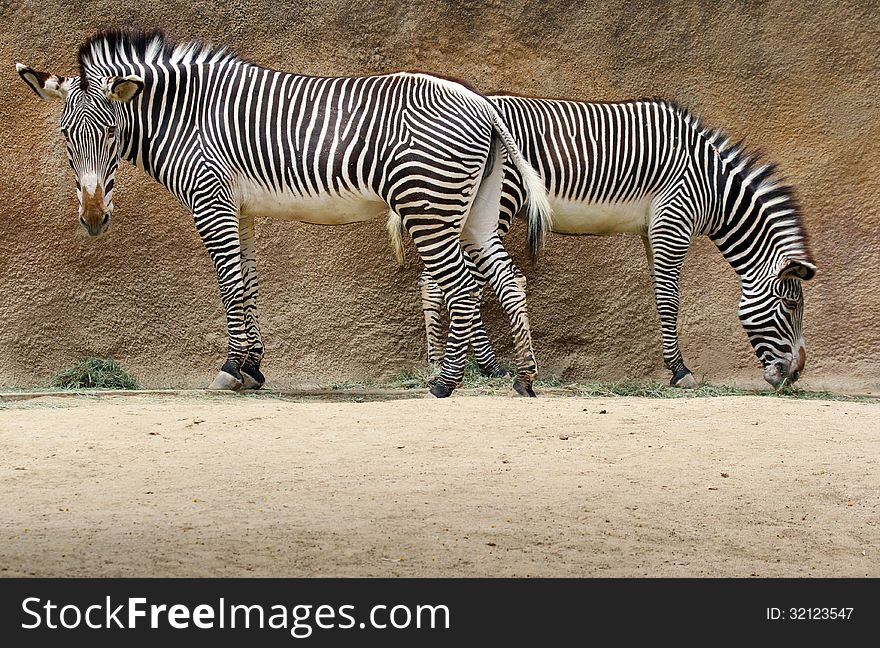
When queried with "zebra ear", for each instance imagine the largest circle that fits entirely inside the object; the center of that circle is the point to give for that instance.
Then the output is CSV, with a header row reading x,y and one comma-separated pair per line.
x,y
795,269
123,88
47,86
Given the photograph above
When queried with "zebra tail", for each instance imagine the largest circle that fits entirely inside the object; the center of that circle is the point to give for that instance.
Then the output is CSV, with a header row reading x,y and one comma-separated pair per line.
x,y
539,214
394,225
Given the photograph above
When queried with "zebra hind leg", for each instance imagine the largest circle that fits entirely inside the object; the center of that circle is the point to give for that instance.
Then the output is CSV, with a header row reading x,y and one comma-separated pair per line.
x,y
484,246
485,356
480,343
438,245
483,352
509,287
432,307
462,306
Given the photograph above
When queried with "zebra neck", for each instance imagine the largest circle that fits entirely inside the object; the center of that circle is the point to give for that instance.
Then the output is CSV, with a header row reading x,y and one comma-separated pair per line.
x,y
755,242
752,260
756,222
162,121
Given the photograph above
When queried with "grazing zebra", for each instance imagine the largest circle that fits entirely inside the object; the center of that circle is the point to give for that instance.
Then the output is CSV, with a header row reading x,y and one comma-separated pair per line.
x,y
650,168
232,140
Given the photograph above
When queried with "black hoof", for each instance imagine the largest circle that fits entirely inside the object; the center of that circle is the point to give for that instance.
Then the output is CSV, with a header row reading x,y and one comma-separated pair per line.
x,y
229,378
251,376
441,390
523,388
230,368
683,378
494,371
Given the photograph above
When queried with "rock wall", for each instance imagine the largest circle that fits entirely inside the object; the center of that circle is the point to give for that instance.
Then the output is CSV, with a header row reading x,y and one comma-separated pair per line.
x,y
799,80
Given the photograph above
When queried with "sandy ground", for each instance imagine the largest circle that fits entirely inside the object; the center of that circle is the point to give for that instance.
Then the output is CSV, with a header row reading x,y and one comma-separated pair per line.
x,y
469,486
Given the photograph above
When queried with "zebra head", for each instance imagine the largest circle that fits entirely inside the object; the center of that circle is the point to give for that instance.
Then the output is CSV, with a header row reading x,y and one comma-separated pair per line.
x,y
89,123
771,310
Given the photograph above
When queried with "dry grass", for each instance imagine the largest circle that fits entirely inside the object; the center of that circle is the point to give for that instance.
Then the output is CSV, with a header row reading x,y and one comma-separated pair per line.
x,y
94,373
421,378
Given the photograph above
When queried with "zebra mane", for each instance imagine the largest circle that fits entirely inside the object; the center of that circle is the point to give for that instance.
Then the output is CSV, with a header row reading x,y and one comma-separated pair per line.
x,y
761,179
144,46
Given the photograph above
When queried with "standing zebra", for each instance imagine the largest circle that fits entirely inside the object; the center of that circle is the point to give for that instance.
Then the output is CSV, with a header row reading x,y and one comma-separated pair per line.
x,y
650,168
232,140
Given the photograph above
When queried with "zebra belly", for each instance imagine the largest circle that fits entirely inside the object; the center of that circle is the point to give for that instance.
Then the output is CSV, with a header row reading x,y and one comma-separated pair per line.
x,y
323,209
577,217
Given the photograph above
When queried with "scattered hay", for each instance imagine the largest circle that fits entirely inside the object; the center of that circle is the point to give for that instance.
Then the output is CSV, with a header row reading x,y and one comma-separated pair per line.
x,y
94,373
422,378
654,389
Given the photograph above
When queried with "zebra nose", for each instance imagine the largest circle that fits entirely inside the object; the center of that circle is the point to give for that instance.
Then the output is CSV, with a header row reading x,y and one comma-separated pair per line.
x,y
776,374
95,222
802,359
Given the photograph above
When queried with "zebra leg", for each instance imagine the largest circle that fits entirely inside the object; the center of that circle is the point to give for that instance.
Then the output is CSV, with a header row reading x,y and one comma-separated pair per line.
x,y
217,224
509,286
462,305
480,343
511,201
432,302
481,346
440,249
432,305
480,237
252,377
512,197
666,250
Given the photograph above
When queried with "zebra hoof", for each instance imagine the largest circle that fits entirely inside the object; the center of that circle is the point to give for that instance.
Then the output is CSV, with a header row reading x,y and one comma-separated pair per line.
x,y
684,380
249,382
523,388
226,381
441,390
251,377
494,371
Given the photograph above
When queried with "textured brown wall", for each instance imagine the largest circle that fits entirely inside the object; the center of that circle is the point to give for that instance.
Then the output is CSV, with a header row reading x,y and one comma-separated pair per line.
x,y
799,79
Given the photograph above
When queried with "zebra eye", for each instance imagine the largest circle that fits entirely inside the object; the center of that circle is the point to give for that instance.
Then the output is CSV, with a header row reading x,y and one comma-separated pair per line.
x,y
66,133
111,131
790,304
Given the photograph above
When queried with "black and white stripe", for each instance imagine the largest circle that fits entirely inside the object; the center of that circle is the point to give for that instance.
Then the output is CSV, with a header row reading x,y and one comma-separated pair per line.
x,y
649,167
233,140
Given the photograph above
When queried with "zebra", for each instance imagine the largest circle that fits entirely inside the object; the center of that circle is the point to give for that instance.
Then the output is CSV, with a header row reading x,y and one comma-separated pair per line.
x,y
651,168
232,140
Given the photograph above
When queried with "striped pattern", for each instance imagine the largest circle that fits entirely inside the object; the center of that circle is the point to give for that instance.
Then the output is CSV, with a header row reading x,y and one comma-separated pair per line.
x,y
649,167
91,153
233,140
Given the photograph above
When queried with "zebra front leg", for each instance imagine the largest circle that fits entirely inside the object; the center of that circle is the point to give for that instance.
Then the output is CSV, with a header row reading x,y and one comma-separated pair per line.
x,y
252,377
217,224
666,250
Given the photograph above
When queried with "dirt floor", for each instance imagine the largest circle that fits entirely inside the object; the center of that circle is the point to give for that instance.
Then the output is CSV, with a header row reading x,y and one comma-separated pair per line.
x,y
470,486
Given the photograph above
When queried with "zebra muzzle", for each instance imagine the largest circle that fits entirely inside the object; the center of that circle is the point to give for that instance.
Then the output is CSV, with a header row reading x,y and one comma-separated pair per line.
x,y
94,214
